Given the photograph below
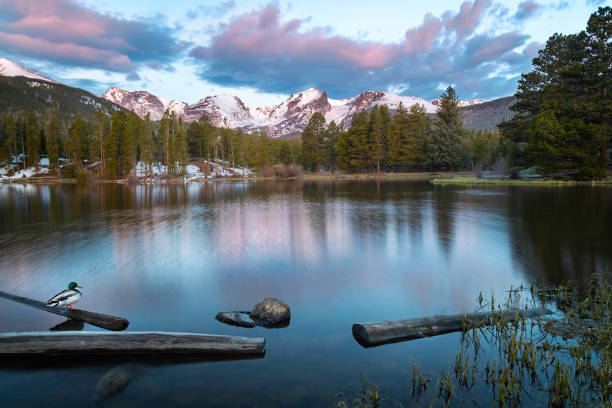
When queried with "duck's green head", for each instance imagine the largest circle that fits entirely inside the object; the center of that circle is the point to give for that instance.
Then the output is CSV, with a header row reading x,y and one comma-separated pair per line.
x,y
73,285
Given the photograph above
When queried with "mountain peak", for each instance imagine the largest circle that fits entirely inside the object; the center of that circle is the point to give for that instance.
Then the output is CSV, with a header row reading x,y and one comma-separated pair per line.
x,y
12,69
287,119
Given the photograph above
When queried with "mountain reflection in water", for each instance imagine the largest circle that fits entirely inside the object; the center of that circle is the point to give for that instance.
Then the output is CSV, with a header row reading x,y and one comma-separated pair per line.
x,y
169,257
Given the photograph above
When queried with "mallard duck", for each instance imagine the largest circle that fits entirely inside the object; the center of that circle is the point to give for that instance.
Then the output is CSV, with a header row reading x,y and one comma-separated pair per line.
x,y
66,297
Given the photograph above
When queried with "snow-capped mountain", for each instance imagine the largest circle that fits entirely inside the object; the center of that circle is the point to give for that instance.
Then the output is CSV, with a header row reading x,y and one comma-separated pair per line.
x,y
222,111
286,119
143,102
12,69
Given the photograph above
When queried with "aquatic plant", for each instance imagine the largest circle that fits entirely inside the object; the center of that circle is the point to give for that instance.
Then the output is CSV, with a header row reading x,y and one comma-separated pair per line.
x,y
564,359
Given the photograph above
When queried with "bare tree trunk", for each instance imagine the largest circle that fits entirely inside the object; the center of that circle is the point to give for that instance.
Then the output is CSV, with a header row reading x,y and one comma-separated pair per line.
x,y
23,153
604,141
101,172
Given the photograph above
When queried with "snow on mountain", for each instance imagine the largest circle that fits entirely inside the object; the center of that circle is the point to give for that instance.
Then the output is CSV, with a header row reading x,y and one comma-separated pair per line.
x,y
141,102
290,117
287,119
12,69
461,104
178,107
221,110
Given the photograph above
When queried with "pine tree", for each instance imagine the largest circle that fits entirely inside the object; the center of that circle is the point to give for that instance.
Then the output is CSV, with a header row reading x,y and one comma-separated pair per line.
x,y
563,145
358,141
444,145
164,138
261,156
145,144
342,149
32,139
285,152
312,142
181,146
377,136
127,144
396,138
20,144
98,141
330,140
571,76
9,147
598,78
112,153
73,143
54,135
417,126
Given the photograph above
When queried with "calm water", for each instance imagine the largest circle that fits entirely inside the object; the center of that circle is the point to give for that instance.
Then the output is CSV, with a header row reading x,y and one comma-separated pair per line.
x,y
170,257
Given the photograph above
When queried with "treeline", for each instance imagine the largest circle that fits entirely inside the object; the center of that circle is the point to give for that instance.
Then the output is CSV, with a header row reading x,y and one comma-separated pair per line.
x,y
563,106
404,141
560,128
111,146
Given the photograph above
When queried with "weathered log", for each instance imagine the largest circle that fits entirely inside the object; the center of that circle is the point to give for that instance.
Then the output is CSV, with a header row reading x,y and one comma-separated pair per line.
x,y
127,343
375,334
103,321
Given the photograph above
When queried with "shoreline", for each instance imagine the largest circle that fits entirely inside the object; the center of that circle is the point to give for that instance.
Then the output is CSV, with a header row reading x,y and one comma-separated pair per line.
x,y
473,181
416,176
435,178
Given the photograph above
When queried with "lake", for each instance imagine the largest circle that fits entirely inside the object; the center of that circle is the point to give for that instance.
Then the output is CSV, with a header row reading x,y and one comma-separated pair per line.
x,y
169,257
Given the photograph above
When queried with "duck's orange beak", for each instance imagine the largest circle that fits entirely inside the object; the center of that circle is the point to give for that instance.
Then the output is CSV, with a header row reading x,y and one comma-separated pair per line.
x,y
78,286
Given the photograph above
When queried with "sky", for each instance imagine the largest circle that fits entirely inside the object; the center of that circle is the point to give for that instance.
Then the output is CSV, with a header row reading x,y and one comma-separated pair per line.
x,y
263,51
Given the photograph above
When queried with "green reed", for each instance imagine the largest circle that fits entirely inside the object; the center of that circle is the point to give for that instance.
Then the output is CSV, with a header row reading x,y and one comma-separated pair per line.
x,y
564,359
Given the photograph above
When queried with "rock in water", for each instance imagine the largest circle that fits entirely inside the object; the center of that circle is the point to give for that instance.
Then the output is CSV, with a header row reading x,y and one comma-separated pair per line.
x,y
114,381
271,311
240,319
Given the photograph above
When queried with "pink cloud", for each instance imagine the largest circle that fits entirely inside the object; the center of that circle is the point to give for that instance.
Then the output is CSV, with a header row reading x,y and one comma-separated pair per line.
x,y
468,18
38,47
261,34
422,38
260,50
52,27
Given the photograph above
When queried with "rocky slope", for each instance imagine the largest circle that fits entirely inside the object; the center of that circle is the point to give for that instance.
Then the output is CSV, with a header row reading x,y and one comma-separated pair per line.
x,y
143,102
489,114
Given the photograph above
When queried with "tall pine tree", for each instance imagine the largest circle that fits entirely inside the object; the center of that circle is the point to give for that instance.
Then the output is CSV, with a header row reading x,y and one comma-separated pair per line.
x,y
312,142
443,146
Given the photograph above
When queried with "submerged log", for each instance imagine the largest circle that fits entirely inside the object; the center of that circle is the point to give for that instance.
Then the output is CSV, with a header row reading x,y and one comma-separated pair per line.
x,y
127,343
103,321
375,334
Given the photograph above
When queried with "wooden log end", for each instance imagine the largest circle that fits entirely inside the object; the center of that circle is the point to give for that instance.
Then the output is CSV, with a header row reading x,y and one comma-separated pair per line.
x,y
361,334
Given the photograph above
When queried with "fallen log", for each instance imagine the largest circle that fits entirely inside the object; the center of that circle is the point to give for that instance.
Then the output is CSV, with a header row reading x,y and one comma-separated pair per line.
x,y
103,321
375,334
127,343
